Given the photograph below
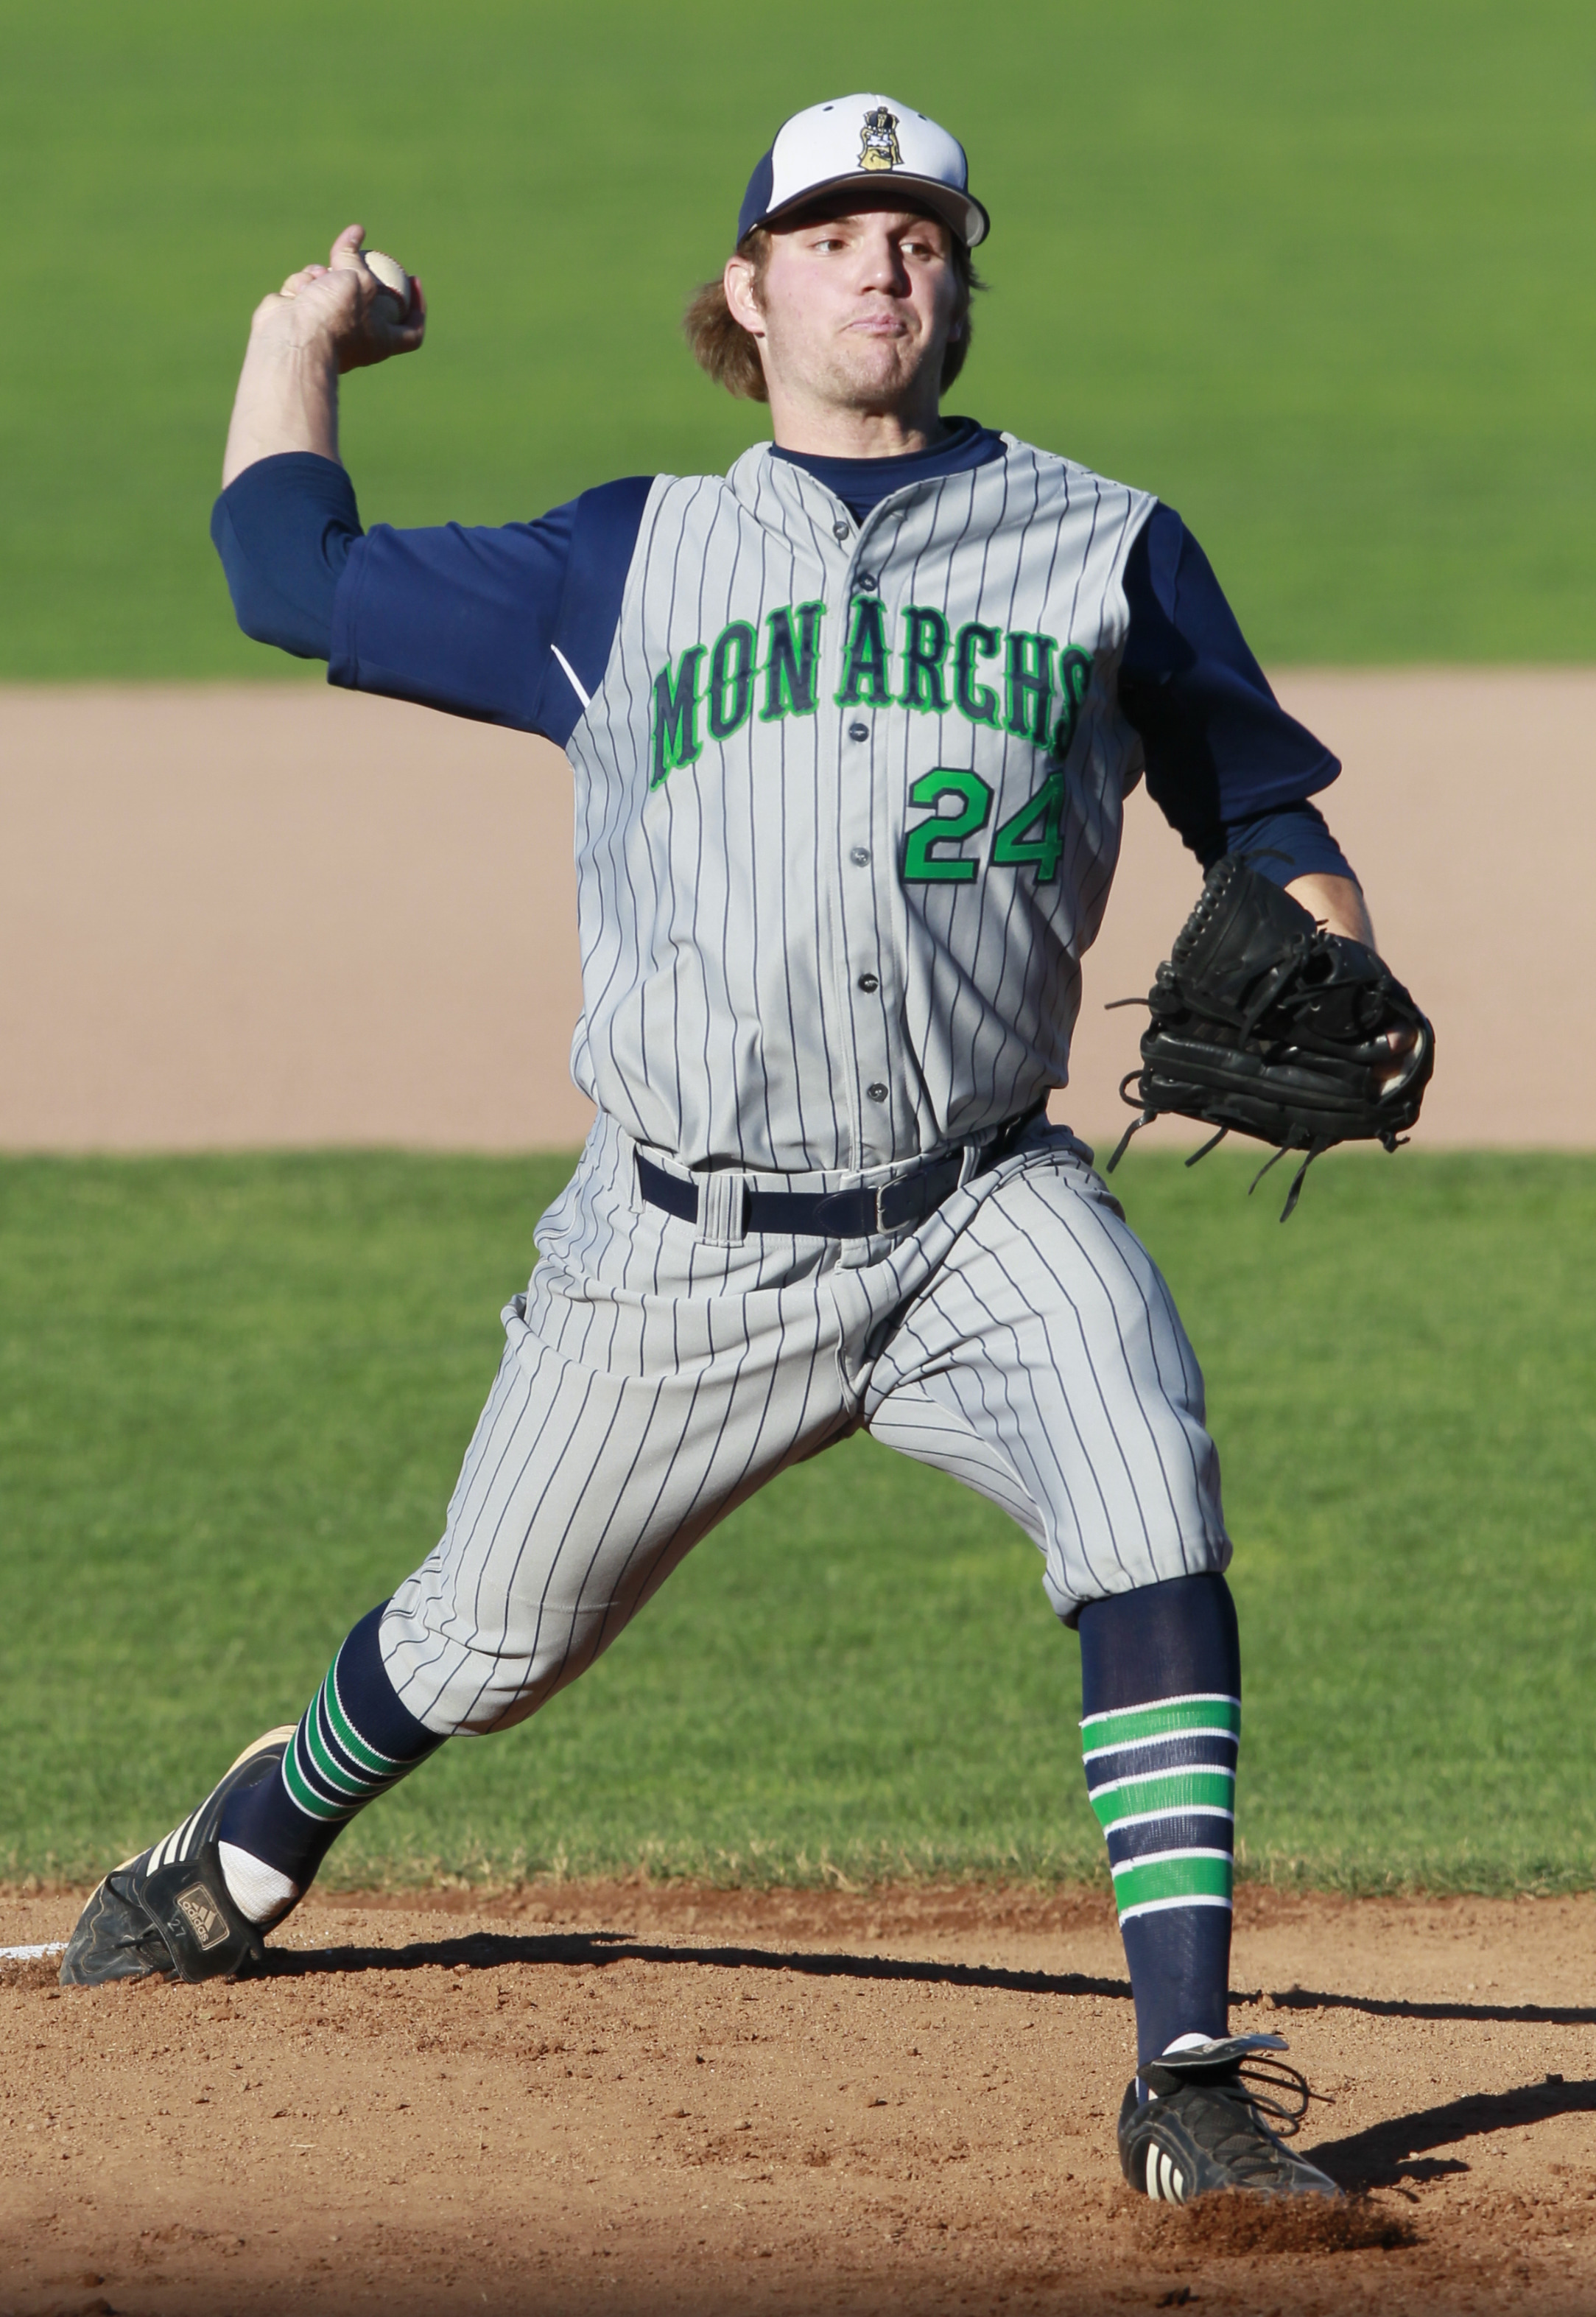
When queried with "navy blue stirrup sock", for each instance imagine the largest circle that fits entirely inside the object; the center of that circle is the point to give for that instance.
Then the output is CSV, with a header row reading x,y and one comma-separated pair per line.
x,y
354,1741
1161,1690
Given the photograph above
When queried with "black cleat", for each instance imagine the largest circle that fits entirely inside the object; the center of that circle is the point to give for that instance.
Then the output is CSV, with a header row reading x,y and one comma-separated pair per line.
x,y
167,1914
1205,2130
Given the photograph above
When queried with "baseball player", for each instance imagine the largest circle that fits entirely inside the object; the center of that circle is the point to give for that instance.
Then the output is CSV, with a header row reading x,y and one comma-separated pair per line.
x,y
852,729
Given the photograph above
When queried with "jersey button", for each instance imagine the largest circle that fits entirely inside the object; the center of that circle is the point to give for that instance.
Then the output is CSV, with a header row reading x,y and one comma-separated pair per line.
x,y
840,529
868,982
865,582
876,1091
859,731
860,858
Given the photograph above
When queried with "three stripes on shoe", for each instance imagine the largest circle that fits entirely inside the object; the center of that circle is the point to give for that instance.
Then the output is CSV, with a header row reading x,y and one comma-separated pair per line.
x,y
1166,2183
175,1847
1162,1781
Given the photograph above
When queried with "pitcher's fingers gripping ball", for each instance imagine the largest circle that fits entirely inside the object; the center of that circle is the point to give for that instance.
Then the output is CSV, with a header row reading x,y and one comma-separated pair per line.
x,y
393,277
380,313
852,729
387,269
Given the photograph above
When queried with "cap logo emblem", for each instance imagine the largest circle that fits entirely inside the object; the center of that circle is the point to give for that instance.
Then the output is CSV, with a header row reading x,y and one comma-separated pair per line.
x,y
878,142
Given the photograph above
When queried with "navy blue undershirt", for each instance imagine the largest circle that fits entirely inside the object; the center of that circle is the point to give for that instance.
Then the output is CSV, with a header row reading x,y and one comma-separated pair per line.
x,y
477,621
862,484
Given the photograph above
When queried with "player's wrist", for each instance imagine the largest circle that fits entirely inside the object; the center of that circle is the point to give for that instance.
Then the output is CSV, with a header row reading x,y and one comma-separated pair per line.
x,y
286,400
286,332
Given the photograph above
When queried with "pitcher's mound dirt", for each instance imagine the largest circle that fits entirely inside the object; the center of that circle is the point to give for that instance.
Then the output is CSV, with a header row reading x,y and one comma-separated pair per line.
x,y
629,2100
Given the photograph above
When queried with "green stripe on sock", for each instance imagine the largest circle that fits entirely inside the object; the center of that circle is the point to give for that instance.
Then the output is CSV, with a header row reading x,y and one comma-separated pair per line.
x,y
1172,1877
1220,1717
348,1737
1166,1793
305,1795
343,1782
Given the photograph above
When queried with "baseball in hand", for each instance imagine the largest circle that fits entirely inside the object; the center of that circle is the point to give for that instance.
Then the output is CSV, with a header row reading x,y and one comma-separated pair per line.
x,y
392,276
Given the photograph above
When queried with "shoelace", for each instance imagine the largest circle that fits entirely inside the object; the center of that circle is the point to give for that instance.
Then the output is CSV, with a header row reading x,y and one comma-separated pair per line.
x,y
1249,2148
1256,2082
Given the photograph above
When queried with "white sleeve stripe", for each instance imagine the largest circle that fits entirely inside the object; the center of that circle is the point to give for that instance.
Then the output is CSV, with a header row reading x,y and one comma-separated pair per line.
x,y
584,697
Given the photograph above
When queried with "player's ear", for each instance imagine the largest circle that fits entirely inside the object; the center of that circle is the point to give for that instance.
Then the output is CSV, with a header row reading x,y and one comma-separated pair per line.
x,y
742,297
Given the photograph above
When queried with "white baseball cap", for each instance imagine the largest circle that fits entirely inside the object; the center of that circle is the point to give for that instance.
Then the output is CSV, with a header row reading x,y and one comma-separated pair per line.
x,y
863,140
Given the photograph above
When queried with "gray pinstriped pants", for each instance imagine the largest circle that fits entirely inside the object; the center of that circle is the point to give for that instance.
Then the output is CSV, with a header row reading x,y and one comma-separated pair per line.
x,y
1020,1338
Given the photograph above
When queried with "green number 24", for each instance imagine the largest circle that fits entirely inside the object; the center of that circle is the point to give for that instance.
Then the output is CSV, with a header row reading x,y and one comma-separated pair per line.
x,y
1033,839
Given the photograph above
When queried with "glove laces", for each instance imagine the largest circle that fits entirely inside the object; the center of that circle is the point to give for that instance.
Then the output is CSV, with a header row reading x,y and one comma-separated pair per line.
x,y
1258,2083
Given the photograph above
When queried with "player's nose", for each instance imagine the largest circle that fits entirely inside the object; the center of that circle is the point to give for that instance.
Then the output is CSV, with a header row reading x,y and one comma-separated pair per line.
x,y
882,266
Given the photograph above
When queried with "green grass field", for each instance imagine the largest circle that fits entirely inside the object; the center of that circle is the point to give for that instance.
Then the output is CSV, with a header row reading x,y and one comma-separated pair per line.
x,y
1319,275
235,1392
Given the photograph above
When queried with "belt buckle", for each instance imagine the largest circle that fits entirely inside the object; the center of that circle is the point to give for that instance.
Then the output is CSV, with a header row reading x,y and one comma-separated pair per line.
x,y
852,1214
901,1203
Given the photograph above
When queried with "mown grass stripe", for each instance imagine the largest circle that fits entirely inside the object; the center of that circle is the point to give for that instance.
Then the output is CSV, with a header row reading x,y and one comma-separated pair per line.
x,y
737,1657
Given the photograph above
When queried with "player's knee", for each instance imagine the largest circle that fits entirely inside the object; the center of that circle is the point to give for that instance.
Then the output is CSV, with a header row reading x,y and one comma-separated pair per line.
x,y
490,1682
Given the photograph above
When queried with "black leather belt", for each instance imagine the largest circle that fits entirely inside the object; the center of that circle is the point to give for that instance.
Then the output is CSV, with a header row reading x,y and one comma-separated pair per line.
x,y
858,1213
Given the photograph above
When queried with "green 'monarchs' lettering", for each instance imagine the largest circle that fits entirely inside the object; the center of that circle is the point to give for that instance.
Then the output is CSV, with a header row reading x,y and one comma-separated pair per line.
x,y
978,702
868,679
1075,681
1031,684
925,647
731,679
789,667
676,715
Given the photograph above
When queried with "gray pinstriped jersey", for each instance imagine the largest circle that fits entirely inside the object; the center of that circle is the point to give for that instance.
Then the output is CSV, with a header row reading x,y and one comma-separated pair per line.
x,y
848,807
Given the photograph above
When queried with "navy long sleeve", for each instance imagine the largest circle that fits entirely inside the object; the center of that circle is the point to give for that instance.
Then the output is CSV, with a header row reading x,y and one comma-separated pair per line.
x,y
514,624
283,530
1226,764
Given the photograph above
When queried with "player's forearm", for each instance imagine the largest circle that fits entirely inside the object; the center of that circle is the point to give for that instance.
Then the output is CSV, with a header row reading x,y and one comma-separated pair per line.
x,y
287,399
1337,902
324,320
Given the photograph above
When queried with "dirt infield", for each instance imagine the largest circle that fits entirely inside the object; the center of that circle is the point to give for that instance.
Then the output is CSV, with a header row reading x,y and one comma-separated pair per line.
x,y
236,915
629,2098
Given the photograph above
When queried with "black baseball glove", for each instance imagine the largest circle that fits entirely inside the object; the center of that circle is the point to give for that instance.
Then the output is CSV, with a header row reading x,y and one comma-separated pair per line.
x,y
1264,1024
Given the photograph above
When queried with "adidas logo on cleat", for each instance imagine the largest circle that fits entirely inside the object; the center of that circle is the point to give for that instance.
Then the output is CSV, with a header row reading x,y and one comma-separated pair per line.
x,y
204,1917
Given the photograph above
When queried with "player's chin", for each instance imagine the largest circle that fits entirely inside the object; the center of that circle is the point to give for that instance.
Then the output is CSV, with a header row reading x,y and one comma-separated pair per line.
x,y
874,368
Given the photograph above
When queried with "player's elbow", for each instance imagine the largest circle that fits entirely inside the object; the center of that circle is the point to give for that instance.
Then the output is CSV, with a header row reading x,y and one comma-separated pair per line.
x,y
284,599
267,618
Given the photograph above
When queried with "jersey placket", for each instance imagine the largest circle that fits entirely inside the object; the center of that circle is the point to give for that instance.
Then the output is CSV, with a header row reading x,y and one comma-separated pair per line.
x,y
869,965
